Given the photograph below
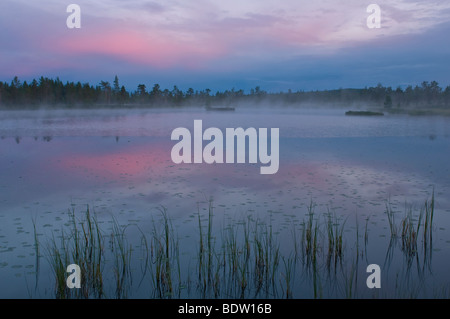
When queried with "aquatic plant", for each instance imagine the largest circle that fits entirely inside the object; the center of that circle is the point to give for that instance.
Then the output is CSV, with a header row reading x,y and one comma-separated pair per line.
x,y
241,259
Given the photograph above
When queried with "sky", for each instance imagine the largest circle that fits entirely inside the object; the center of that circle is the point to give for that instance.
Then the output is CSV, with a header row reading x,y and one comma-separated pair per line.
x,y
241,44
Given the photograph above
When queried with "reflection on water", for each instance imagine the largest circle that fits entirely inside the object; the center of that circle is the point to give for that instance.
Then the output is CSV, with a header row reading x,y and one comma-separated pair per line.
x,y
161,122
119,164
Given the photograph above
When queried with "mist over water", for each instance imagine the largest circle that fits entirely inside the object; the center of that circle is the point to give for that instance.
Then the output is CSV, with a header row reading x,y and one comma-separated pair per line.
x,y
118,162
300,123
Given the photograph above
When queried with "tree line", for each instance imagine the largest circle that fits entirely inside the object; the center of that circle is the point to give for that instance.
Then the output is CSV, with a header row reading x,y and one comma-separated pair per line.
x,y
53,92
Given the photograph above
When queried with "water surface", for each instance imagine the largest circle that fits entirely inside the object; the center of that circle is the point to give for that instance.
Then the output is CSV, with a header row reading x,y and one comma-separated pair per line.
x,y
118,162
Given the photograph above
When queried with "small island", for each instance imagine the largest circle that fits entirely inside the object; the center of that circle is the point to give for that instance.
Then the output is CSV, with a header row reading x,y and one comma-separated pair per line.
x,y
225,108
364,113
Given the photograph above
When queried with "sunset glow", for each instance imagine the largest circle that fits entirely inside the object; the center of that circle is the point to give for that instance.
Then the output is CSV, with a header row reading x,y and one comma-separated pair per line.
x,y
277,45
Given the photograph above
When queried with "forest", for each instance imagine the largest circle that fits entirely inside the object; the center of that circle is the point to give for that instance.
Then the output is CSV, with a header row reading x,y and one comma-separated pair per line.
x,y
53,93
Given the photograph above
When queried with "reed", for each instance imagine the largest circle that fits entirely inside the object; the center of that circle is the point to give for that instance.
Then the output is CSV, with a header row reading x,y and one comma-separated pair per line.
x,y
36,252
244,261
58,260
335,239
309,237
410,233
288,276
84,244
122,253
391,220
428,224
165,257
206,253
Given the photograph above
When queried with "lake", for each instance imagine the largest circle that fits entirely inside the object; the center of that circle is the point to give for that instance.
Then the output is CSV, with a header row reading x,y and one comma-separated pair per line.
x,y
118,163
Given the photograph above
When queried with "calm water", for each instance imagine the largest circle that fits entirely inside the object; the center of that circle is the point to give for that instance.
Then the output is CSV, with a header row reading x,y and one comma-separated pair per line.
x,y
118,162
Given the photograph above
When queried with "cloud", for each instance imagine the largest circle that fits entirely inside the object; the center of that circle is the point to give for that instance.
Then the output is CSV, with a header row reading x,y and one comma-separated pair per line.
x,y
210,38
138,46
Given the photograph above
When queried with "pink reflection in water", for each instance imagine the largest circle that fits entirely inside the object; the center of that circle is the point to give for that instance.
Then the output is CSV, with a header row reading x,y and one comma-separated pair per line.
x,y
135,161
138,172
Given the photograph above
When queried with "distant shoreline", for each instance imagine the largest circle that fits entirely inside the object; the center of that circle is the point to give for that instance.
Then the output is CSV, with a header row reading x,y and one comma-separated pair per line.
x,y
428,98
354,111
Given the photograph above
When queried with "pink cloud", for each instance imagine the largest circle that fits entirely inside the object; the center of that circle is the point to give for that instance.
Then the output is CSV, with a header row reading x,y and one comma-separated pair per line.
x,y
153,49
